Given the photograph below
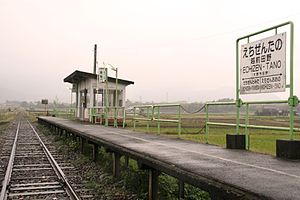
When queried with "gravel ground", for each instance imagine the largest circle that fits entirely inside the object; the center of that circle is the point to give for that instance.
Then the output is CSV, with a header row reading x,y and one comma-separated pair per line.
x,y
92,174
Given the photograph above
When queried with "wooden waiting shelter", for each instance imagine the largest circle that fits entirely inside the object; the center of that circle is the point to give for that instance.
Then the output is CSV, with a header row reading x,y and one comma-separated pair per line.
x,y
90,93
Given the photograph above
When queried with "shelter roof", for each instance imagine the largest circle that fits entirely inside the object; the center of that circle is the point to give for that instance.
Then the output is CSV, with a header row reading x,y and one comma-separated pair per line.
x,y
78,76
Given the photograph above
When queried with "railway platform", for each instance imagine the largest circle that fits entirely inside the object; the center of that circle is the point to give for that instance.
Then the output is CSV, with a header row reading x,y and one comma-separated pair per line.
x,y
224,173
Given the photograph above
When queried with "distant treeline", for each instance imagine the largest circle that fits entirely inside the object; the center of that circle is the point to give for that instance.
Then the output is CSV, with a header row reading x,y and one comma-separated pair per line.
x,y
272,109
36,105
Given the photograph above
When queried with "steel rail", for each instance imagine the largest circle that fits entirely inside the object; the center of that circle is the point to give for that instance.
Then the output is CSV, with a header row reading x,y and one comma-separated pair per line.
x,y
7,177
69,189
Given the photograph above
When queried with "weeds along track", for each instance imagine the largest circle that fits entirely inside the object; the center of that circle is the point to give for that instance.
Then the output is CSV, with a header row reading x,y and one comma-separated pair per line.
x,y
31,168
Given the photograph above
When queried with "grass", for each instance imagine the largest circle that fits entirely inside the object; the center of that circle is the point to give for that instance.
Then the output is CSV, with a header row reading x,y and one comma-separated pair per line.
x,y
261,140
7,116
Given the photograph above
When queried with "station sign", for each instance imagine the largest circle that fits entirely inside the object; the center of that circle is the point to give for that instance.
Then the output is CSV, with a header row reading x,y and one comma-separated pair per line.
x,y
102,74
263,65
45,101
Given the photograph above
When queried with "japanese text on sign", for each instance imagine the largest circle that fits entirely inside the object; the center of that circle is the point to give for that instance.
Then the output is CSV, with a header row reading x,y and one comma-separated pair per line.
x,y
262,65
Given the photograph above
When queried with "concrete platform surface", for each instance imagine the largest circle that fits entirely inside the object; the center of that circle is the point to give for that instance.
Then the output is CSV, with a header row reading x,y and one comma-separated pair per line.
x,y
241,174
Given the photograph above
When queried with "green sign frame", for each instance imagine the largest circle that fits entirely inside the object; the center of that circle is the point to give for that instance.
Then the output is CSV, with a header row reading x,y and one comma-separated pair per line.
x,y
292,100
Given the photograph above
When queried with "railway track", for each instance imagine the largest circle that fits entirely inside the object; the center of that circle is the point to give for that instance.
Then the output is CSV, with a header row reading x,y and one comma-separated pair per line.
x,y
31,168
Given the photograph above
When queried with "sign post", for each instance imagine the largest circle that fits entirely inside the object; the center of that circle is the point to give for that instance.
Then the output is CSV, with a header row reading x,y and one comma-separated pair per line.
x,y
45,102
261,68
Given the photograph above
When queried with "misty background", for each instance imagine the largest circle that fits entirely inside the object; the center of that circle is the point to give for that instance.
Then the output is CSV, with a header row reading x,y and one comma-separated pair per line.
x,y
172,50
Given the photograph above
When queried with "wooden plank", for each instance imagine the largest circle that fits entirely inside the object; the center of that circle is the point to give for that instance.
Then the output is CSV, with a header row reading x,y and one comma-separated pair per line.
x,y
14,189
32,184
36,193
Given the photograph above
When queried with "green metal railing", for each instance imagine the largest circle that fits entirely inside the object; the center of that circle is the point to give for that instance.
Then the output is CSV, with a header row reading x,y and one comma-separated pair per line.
x,y
104,113
65,113
153,110
207,123
246,126
146,118
159,120
95,113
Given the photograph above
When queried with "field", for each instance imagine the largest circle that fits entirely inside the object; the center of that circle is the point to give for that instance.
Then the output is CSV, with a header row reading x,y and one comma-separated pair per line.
x,y
193,128
6,116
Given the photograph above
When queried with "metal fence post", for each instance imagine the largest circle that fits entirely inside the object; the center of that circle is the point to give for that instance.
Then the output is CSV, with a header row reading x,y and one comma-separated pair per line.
x,y
206,123
179,120
100,117
116,118
106,116
124,117
134,112
148,119
237,89
292,82
246,127
106,99
158,120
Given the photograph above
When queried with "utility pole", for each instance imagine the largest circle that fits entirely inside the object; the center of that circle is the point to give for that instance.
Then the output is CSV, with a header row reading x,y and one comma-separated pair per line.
x,y
95,58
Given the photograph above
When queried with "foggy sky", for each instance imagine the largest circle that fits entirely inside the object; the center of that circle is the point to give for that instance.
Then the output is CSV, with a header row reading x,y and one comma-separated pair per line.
x,y
173,50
